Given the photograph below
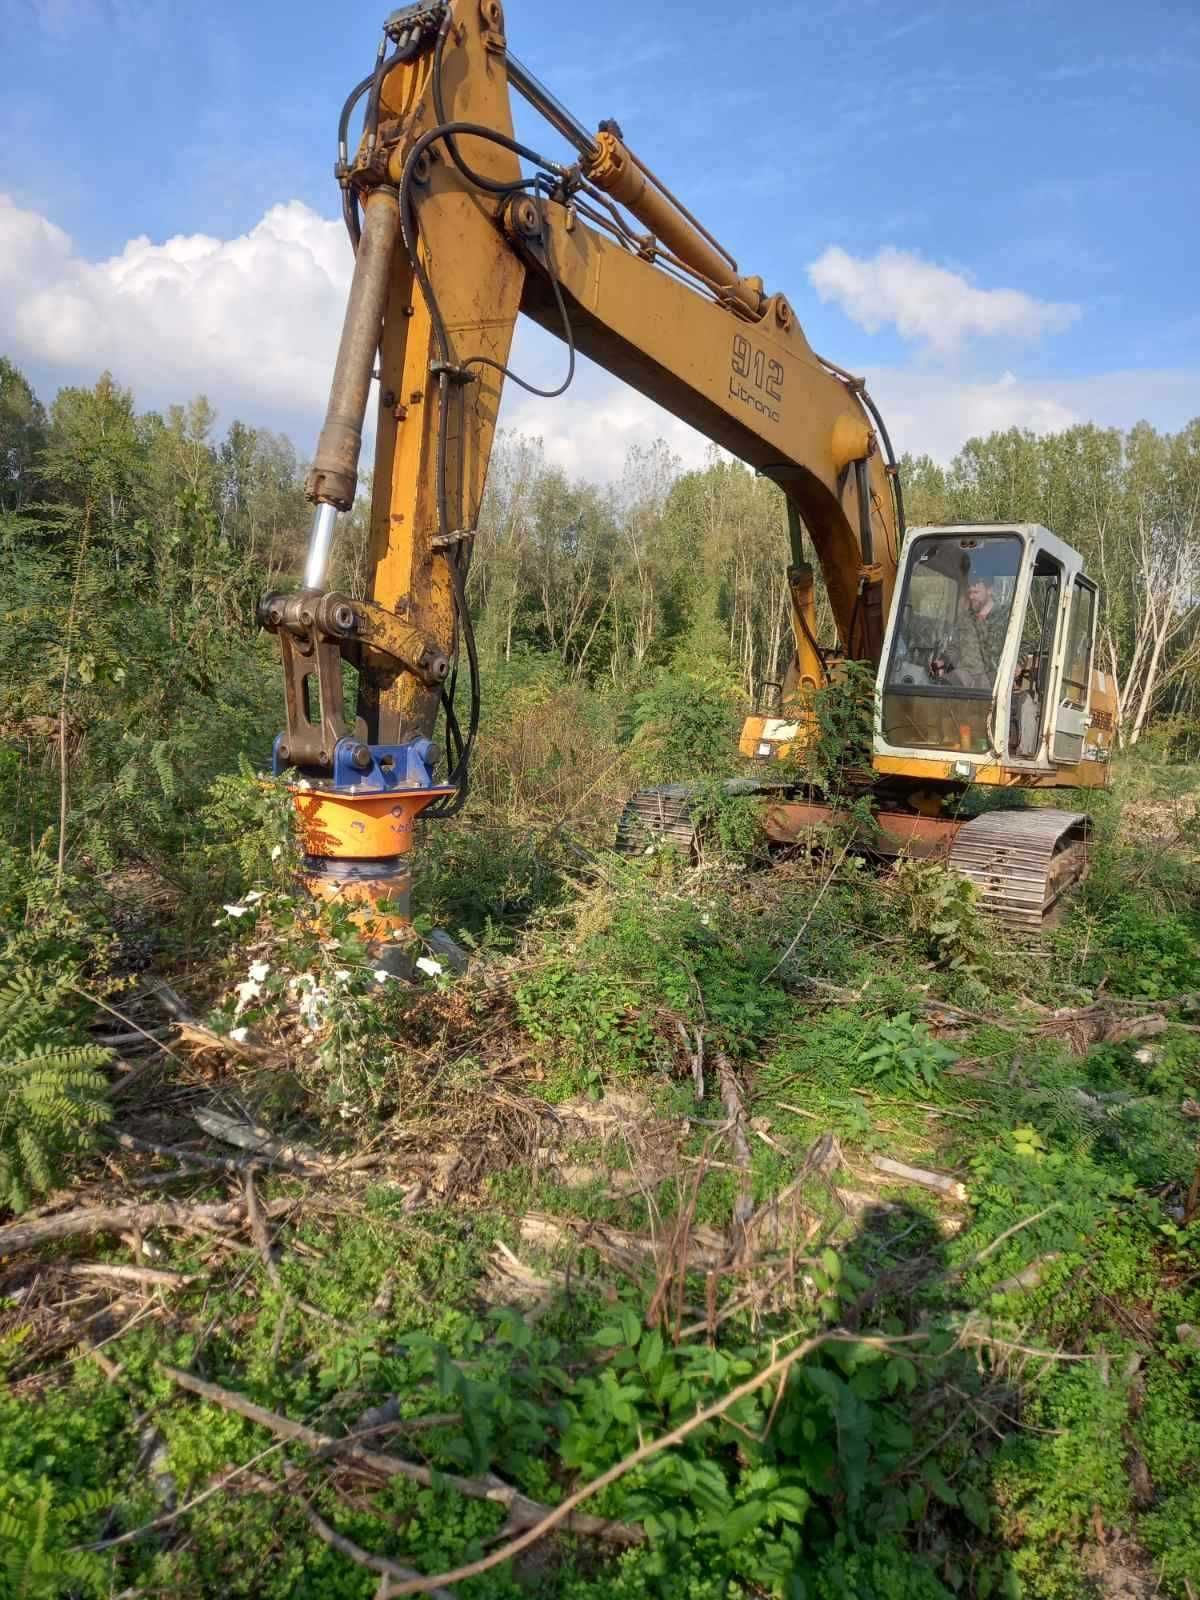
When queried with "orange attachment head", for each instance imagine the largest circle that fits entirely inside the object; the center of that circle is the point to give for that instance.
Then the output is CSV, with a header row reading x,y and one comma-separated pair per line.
x,y
359,827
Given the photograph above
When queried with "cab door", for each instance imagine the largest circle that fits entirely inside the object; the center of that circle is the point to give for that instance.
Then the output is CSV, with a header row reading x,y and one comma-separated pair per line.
x,y
1071,715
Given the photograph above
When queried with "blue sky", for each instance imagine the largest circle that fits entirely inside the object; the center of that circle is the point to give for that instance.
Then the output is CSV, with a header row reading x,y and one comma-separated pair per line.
x,y
1049,149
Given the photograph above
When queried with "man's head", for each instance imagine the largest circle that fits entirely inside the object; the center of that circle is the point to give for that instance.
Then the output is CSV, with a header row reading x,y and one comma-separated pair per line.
x,y
980,596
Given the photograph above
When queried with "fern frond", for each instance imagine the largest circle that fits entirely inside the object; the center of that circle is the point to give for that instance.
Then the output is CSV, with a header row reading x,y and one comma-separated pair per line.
x,y
52,1092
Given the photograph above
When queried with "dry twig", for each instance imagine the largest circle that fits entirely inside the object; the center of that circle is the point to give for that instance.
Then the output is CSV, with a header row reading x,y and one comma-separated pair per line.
x,y
258,1229
522,1512
777,1369
155,1277
338,1541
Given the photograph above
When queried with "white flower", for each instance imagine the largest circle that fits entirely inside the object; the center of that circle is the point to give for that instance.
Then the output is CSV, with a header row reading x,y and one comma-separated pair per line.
x,y
239,1035
258,970
246,992
429,965
253,895
276,851
381,975
312,1005
342,975
235,911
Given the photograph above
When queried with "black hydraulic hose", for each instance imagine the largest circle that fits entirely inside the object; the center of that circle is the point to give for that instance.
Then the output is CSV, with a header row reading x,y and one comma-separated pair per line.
x,y
352,100
409,230
894,469
351,217
490,185
568,331
459,746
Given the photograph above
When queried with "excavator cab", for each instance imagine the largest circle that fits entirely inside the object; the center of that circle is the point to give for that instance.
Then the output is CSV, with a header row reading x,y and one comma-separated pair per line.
x,y
987,674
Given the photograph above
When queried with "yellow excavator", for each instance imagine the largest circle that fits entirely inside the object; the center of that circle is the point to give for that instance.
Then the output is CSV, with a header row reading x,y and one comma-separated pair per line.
x,y
981,637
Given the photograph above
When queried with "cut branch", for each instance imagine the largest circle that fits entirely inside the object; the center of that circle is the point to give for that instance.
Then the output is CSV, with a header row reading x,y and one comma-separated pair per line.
x,y
338,1541
735,1112
561,1514
113,1219
940,1182
258,1229
522,1512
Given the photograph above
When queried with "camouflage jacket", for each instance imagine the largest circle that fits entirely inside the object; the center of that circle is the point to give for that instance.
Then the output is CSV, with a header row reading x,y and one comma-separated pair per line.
x,y
979,643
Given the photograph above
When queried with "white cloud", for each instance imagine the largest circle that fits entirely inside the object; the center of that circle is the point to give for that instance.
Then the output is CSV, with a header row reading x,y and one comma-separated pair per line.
x,y
253,322
928,303
588,431
252,319
935,413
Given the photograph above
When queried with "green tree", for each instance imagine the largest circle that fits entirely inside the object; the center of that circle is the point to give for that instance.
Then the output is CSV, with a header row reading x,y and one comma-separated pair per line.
x,y
22,438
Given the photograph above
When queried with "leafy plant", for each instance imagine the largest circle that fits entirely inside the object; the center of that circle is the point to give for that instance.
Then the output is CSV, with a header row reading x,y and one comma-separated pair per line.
x,y
1143,951
903,1054
682,725
36,1562
730,821
941,908
52,1092
844,715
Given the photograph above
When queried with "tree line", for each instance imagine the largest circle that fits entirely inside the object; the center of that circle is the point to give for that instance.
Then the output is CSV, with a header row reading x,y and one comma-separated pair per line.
x,y
159,516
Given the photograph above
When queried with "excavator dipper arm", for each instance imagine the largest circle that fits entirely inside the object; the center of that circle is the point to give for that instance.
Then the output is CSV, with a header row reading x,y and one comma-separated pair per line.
x,y
458,227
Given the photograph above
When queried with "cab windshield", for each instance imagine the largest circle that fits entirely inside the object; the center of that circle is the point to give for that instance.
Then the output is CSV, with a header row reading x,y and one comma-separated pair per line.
x,y
953,622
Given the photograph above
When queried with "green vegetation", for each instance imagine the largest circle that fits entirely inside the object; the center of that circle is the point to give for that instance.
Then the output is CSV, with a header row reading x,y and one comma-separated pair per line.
x,y
527,1220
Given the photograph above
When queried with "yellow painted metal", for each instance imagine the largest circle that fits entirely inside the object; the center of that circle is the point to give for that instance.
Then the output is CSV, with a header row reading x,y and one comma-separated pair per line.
x,y
754,387
477,279
1082,775
851,440
752,734
807,672
615,170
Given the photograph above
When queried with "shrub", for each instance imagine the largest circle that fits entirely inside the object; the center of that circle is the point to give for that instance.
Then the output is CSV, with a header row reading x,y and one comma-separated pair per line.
x,y
683,727
52,1093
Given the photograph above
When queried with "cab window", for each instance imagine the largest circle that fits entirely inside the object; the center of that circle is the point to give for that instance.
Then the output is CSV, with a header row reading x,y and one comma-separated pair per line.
x,y
950,635
1077,663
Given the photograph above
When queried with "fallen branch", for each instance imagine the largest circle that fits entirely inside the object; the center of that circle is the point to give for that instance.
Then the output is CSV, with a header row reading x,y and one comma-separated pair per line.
x,y
562,1514
169,999
95,1000
627,1251
155,1277
1025,1222
231,1130
735,1112
169,1517
113,1219
258,1229
695,1055
127,1141
941,1182
1029,1277
338,1541
522,1512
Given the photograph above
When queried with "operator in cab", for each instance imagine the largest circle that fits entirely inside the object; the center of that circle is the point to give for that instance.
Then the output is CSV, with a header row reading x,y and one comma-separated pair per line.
x,y
979,639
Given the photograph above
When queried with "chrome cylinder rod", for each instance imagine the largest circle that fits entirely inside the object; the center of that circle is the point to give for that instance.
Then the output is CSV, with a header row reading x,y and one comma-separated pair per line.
x,y
320,541
557,115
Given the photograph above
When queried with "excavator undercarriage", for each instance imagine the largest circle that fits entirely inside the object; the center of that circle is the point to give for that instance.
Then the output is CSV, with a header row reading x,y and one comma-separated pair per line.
x,y
1021,860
